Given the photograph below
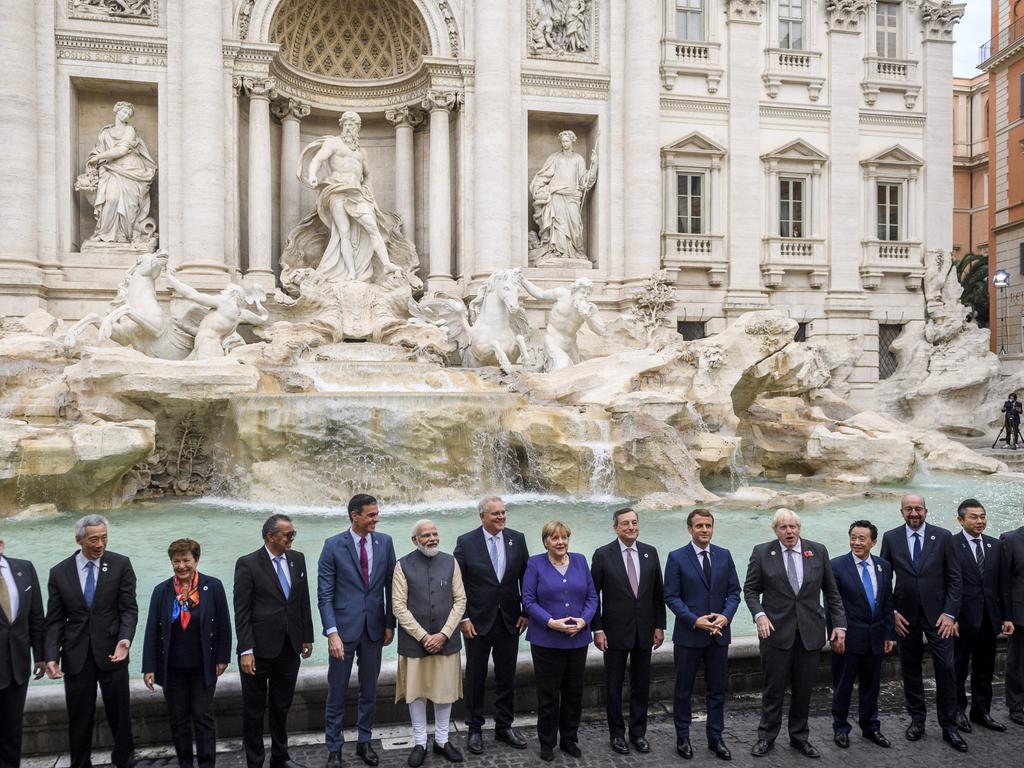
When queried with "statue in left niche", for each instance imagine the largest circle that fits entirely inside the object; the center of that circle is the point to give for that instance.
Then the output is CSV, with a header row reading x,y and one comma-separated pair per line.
x,y
136,318
117,177
348,237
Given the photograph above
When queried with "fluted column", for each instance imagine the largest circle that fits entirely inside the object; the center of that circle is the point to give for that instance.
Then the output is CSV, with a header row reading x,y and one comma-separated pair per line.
x,y
19,128
260,204
290,112
440,104
642,107
405,120
492,137
203,138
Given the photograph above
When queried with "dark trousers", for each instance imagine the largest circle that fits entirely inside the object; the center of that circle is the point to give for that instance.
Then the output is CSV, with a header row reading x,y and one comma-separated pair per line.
x,y
279,675
503,646
782,667
975,654
715,659
366,653
80,696
1015,670
865,669
558,673
639,660
190,708
911,655
12,707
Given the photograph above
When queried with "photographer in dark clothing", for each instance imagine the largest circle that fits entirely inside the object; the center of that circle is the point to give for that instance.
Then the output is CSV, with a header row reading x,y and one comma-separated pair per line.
x,y
1012,408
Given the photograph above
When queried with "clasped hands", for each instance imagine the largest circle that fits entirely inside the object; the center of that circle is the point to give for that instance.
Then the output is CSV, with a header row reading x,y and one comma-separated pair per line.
x,y
570,625
433,643
712,623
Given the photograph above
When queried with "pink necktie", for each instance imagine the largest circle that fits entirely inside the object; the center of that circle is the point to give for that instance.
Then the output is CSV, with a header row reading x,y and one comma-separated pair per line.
x,y
364,561
634,580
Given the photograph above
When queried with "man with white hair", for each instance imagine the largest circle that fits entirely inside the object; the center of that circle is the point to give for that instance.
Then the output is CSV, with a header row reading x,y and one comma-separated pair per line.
x,y
786,579
428,601
571,308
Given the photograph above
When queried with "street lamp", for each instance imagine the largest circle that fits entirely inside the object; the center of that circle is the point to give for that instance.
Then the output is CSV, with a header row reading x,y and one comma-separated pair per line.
x,y
1000,280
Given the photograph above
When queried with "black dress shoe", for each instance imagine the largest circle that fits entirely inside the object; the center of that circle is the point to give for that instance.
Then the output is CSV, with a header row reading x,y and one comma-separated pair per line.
x,y
619,746
475,742
878,738
915,731
510,736
641,744
986,721
448,751
805,749
366,753
571,748
842,740
761,748
962,723
721,751
417,756
333,760
684,749
954,739
1017,717
547,754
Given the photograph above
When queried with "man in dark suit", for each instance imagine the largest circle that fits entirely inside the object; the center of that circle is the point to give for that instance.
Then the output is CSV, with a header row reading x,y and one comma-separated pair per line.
x,y
786,579
703,591
354,597
492,559
981,616
927,599
629,624
1012,579
865,585
21,638
274,626
90,625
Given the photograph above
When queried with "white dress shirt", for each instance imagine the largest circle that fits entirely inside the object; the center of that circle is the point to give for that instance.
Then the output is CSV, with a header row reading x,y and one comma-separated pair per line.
x,y
871,570
910,538
698,550
500,541
12,586
970,544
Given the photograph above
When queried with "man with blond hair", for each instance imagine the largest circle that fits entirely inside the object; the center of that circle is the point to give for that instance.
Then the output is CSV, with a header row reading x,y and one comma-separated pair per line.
x,y
786,579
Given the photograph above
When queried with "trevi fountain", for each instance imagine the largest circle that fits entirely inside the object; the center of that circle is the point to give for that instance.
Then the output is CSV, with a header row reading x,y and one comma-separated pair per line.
x,y
181,408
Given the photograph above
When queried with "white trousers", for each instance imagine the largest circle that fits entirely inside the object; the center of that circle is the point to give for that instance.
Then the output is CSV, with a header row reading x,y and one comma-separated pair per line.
x,y
418,715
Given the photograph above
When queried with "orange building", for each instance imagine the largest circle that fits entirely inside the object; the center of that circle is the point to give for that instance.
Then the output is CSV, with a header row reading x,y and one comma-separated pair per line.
x,y
970,165
1002,58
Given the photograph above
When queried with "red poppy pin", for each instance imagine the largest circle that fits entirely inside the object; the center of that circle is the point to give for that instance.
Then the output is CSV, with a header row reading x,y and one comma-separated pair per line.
x,y
808,553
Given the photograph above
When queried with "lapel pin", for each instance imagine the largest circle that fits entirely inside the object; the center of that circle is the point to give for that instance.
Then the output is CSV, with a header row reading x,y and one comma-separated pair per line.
x,y
933,537
878,567
205,587
104,569
773,553
19,572
646,555
987,545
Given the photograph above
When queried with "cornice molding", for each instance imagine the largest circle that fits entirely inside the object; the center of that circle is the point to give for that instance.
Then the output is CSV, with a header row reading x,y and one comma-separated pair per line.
x,y
568,86
134,51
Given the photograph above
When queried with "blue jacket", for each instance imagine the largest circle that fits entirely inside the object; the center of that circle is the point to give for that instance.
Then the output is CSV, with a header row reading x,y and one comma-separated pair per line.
x,y
866,632
547,594
214,625
689,596
344,600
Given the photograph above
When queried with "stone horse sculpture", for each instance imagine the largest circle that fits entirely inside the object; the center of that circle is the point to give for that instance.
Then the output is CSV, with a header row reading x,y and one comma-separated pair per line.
x,y
494,328
136,319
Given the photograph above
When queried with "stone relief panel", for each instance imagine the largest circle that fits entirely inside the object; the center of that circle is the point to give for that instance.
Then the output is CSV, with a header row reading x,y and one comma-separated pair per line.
x,y
130,11
562,29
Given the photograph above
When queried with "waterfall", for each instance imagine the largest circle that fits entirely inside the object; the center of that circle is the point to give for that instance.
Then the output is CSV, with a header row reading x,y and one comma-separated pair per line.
x,y
602,465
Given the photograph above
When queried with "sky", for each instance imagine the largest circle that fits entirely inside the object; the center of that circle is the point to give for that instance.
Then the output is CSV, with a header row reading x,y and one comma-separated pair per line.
x,y
970,33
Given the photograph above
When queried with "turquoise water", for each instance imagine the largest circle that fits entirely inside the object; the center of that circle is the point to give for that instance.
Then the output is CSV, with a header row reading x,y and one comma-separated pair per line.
x,y
229,528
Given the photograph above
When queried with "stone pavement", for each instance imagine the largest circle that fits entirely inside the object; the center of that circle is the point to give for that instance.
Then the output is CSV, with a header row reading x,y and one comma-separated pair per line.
x,y
393,744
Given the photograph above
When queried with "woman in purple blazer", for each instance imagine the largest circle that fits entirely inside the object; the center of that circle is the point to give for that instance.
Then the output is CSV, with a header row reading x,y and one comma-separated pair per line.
x,y
560,601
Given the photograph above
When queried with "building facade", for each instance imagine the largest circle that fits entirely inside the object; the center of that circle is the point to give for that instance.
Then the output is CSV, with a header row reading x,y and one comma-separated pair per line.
x,y
788,154
970,165
1002,58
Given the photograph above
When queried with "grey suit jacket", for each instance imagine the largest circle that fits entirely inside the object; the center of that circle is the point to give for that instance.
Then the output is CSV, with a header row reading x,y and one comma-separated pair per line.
x,y
767,590
1012,575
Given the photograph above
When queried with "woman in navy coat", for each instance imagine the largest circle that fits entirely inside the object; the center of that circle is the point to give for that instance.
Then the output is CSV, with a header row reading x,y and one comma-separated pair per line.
x,y
560,602
187,647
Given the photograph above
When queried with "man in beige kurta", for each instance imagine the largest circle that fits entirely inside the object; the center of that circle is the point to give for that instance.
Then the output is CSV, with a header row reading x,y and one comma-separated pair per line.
x,y
428,601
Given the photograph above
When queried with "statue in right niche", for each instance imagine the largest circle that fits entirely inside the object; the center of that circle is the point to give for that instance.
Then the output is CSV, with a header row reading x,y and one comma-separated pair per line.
x,y
559,190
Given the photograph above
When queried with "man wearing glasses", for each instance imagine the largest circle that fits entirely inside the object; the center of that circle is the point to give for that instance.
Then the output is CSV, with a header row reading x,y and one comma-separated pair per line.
x,y
274,626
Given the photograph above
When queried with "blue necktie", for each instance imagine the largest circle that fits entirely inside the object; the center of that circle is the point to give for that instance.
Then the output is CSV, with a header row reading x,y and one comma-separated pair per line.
x,y
90,583
917,552
865,577
285,587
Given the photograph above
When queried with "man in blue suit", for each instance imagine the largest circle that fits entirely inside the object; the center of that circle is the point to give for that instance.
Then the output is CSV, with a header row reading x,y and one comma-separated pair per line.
x,y
354,596
703,592
865,585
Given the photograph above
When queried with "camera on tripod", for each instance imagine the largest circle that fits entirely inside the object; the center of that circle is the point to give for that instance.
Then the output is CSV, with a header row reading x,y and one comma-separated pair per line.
x,y
1012,410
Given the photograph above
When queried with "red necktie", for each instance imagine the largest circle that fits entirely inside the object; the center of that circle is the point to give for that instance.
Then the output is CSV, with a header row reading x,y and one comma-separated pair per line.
x,y
364,561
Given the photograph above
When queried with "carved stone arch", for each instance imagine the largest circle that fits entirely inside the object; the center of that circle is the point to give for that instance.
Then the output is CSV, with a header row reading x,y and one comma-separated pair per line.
x,y
254,22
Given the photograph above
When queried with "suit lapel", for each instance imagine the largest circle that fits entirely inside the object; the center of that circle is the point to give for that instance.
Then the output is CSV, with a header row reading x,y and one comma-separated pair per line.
x,y
348,543
812,567
620,565
263,556
23,582
484,553
691,557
